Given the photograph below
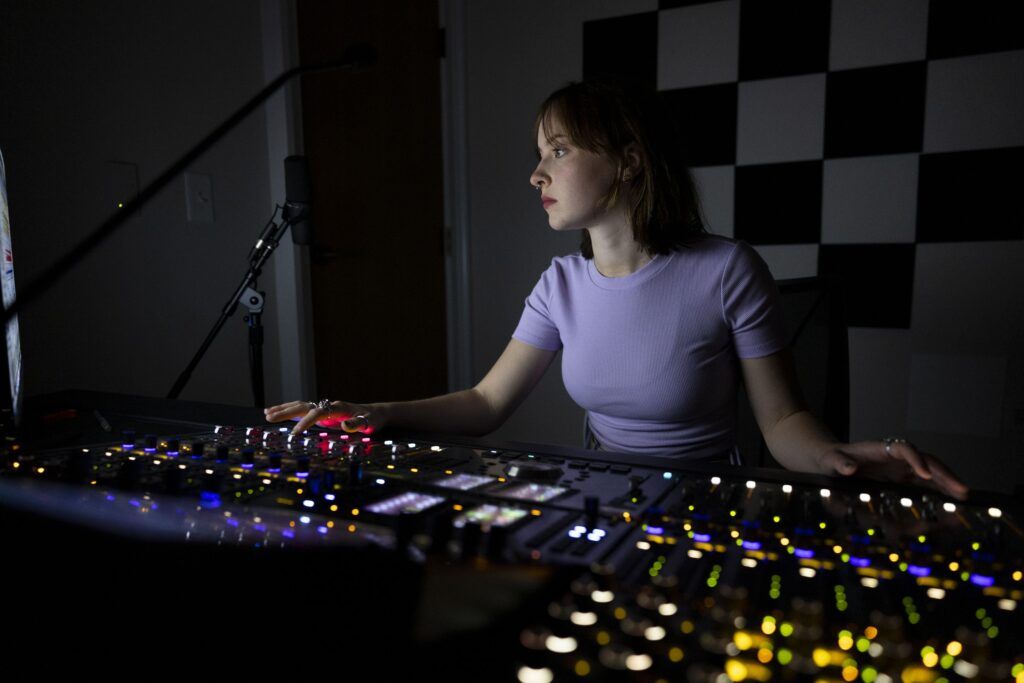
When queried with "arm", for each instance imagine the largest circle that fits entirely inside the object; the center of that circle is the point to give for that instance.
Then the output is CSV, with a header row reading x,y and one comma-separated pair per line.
x,y
801,442
475,411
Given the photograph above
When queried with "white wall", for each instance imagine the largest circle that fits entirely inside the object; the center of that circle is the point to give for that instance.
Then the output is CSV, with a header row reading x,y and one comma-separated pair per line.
x,y
82,84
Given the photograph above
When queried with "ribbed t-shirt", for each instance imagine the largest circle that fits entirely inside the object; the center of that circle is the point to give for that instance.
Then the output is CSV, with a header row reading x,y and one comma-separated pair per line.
x,y
652,356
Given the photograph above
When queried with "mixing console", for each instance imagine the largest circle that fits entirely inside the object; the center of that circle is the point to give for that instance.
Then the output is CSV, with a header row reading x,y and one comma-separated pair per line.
x,y
677,573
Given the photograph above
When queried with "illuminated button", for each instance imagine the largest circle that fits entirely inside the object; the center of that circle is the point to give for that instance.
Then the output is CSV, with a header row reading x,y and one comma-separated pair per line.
x,y
949,507
865,498
825,493
583,618
906,502
995,512
787,488
716,481
528,674
560,645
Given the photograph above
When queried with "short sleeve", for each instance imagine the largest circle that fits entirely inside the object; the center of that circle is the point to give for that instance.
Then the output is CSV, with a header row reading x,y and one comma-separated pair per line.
x,y
750,304
536,326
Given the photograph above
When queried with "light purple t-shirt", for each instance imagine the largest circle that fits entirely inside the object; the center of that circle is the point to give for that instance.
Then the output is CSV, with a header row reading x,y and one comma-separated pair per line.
x,y
652,356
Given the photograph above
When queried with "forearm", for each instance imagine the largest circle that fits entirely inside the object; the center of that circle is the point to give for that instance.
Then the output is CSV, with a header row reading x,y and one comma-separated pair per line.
x,y
798,442
462,412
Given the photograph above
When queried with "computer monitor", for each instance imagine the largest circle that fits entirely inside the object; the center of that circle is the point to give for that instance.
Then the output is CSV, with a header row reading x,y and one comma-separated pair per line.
x,y
12,337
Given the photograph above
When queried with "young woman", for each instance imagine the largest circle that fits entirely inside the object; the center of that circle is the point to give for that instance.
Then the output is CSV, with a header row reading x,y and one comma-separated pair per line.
x,y
657,320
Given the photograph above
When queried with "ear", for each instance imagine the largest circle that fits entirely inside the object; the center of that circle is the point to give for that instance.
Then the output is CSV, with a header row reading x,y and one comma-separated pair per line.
x,y
631,165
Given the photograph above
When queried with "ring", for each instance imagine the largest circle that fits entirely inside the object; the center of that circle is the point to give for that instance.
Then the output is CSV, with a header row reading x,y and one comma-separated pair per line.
x,y
324,404
889,441
365,419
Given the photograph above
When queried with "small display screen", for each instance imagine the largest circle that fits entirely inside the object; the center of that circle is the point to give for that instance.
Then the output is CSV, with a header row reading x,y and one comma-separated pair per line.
x,y
411,502
537,493
462,482
490,515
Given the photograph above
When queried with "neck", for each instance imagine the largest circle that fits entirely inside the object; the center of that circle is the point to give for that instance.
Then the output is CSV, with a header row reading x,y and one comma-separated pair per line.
x,y
616,253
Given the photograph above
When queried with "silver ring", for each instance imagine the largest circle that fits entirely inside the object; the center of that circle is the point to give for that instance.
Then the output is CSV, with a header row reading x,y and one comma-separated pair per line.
x,y
889,441
324,404
365,419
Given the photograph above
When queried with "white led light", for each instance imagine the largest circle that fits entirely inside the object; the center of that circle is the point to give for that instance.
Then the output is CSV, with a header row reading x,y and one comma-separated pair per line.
x,y
1008,604
388,442
580,528
639,662
379,481
583,618
936,593
643,545
304,519
807,572
716,480
436,449
575,534
751,484
560,645
412,445
694,553
906,502
528,674
208,471
594,536
238,476
875,650
748,562
654,633
308,503
327,496
869,582
949,507
965,668
995,512
787,488
667,609
825,493
865,498
602,596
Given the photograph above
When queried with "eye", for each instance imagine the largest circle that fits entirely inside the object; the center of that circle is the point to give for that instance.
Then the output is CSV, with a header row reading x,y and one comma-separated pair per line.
x,y
559,152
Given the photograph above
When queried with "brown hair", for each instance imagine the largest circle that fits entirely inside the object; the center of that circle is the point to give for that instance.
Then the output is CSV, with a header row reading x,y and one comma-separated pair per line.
x,y
604,117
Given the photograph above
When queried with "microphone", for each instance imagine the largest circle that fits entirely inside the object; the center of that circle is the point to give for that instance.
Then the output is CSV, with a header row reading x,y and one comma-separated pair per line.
x,y
298,203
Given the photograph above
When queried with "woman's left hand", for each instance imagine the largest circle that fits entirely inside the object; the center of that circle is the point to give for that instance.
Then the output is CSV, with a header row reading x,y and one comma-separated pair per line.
x,y
894,460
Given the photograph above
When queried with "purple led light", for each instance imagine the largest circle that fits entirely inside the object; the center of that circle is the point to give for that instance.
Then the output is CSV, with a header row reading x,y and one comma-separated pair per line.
x,y
129,446
751,545
274,470
110,497
656,530
288,533
302,474
149,450
703,538
982,580
232,522
322,529
246,466
259,527
173,454
859,561
803,553
134,502
918,570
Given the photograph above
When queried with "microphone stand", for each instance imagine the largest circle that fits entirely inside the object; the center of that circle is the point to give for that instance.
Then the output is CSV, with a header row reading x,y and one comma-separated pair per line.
x,y
247,295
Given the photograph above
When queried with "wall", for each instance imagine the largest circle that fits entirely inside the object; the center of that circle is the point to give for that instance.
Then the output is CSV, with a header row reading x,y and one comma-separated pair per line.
x,y
84,84
875,139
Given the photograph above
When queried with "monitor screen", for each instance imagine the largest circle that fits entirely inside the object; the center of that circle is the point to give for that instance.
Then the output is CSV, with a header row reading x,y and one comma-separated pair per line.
x,y
11,334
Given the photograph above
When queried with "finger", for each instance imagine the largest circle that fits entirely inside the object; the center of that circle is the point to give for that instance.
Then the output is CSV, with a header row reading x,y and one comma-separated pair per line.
x,y
286,411
947,481
838,461
360,422
307,421
907,452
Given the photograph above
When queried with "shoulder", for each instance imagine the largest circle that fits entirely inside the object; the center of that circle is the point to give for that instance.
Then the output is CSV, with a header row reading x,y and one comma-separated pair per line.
x,y
568,268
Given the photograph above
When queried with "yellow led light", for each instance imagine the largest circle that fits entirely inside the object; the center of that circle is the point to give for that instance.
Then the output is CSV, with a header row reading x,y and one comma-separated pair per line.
x,y
334,508
603,638
675,654
821,657
845,641
871,632
893,557
457,507
837,549
768,628
582,668
620,613
850,673
535,512
929,659
764,655
735,670
743,640
1017,575
355,512
686,627
954,566
351,528
330,524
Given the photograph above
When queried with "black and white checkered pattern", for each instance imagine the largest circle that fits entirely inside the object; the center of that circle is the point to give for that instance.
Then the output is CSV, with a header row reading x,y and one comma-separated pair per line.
x,y
869,138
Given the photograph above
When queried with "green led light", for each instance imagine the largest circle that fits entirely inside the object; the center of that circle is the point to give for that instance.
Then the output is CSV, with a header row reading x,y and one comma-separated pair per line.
x,y
975,546
845,557
784,657
652,571
773,594
777,519
921,538
863,644
964,576
821,525
712,583
993,632
980,614
914,618
769,619
732,513
927,650
986,622
739,541
790,550
786,629
691,508
868,675
946,661
908,600
841,606
1017,669
871,532
903,566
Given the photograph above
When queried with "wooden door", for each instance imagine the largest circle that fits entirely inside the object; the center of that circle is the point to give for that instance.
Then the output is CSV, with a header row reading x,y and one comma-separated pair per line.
x,y
373,140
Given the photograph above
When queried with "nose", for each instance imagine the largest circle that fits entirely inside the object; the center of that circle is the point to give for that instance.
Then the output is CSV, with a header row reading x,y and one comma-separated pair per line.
x,y
539,179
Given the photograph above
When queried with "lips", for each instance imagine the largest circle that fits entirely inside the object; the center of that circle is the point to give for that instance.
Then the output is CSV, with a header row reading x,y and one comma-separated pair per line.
x,y
547,201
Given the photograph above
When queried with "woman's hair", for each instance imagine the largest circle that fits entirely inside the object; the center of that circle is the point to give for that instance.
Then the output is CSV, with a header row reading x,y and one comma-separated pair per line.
x,y
605,117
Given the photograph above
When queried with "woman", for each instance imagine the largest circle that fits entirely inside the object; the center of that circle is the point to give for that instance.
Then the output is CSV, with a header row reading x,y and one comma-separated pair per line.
x,y
658,320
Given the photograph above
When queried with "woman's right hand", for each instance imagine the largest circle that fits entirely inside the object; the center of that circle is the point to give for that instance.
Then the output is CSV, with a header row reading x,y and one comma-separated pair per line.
x,y
352,417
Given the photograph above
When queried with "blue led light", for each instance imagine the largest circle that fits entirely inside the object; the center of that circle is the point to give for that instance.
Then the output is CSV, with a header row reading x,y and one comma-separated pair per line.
x,y
667,475
289,533
751,545
246,466
134,502
232,521
274,470
173,454
918,570
322,529
302,474
982,580
703,538
859,561
656,530
110,497
149,450
259,527
803,553
128,446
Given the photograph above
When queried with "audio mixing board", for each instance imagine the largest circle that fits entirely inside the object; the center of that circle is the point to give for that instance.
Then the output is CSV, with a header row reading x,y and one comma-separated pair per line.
x,y
660,571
